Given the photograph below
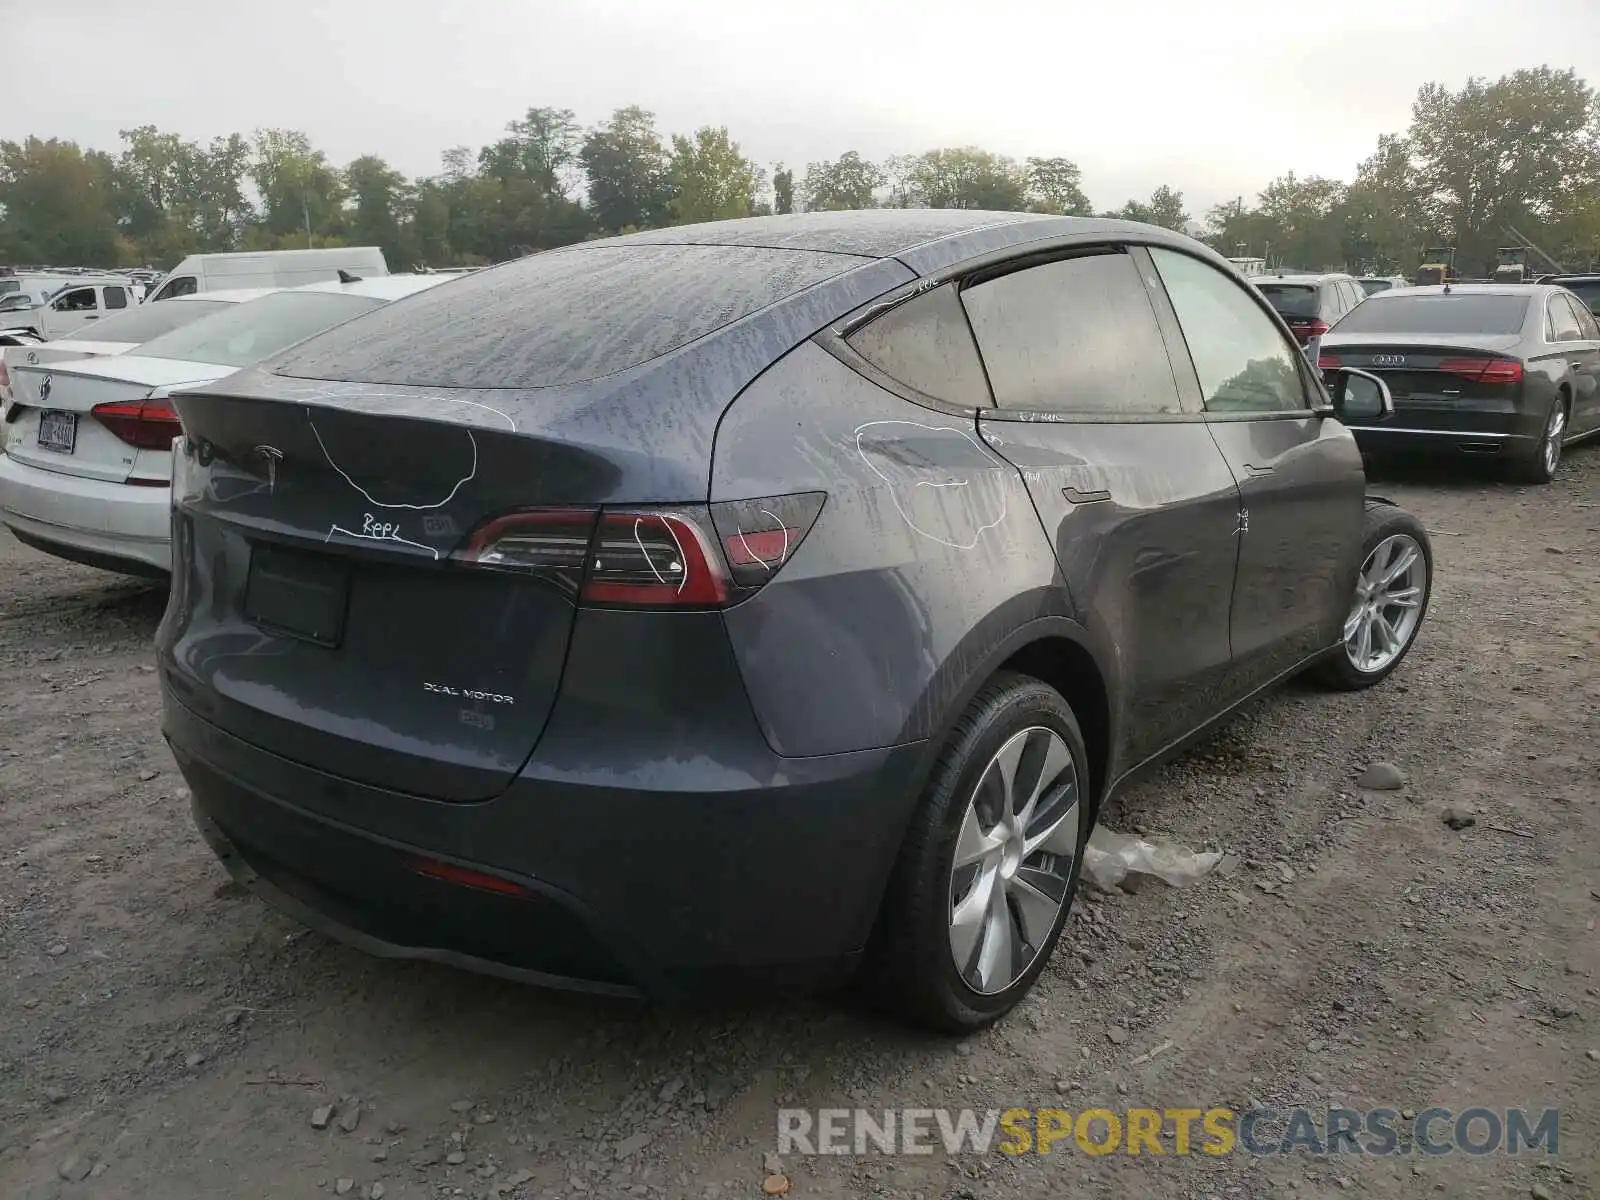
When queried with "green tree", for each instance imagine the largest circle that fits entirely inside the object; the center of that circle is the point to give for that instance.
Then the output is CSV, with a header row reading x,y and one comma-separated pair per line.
x,y
1164,208
628,172
711,179
302,196
1055,185
962,177
849,181
378,195
1301,215
783,189
1508,152
57,204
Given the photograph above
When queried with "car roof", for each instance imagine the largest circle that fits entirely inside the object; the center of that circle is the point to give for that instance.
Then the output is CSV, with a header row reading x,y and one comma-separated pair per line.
x,y
379,287
1306,277
1474,289
1571,277
924,239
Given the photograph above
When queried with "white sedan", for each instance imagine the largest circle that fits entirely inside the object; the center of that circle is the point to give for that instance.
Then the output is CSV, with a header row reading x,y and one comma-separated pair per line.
x,y
121,333
87,465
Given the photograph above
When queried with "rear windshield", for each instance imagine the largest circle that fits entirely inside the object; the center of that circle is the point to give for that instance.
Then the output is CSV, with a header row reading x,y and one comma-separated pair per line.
x,y
1492,315
1370,286
143,323
246,333
1588,292
1290,299
562,317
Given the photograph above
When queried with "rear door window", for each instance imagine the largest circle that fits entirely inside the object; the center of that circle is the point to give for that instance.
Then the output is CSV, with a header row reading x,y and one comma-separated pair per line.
x,y
1588,292
563,316
116,297
1077,335
1588,327
926,344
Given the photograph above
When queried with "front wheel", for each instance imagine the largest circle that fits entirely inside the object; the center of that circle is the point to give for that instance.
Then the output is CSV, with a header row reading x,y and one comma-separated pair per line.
x,y
990,864
1391,599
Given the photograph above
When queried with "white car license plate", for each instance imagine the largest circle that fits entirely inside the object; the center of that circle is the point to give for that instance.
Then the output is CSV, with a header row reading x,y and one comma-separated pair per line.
x,y
58,431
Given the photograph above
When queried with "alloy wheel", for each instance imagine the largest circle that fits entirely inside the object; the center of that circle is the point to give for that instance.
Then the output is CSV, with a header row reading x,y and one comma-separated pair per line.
x,y
1552,438
1014,859
1388,603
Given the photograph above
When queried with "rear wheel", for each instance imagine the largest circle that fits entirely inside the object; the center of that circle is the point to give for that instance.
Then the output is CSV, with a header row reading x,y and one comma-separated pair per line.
x,y
1390,601
1540,466
990,865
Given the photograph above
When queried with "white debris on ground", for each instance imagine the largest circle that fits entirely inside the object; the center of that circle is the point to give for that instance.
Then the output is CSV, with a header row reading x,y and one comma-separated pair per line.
x,y
1111,857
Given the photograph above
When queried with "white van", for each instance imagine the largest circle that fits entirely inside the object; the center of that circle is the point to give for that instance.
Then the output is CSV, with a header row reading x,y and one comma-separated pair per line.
x,y
269,268
43,306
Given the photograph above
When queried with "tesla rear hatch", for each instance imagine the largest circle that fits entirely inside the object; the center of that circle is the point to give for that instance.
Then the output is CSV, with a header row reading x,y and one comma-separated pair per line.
x,y
384,535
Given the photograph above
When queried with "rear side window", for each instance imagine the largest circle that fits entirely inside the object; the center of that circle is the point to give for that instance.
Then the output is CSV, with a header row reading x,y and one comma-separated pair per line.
x,y
1563,322
1077,335
927,345
561,317
1588,328
1291,299
1460,312
116,298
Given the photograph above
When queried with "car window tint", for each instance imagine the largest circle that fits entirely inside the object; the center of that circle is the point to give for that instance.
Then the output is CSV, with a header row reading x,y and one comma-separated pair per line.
x,y
1291,299
184,285
1077,335
116,298
1241,358
246,333
151,321
1436,312
927,345
1563,321
77,300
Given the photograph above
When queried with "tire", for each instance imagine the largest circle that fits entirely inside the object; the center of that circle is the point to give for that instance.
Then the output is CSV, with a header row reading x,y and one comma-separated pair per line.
x,y
1387,528
912,965
1540,466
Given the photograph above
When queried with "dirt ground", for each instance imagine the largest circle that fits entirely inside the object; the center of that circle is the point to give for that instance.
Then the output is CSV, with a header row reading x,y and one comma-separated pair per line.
x,y
163,1036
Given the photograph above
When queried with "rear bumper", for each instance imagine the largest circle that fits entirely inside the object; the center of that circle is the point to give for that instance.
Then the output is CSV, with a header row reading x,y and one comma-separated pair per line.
x,y
623,890
1452,432
111,525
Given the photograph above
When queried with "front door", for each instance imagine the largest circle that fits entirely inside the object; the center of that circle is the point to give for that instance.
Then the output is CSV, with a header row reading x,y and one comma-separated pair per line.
x,y
1132,491
69,311
1300,477
1583,353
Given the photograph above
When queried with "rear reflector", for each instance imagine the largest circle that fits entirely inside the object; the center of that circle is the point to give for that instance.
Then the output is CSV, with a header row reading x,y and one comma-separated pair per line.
x,y
1484,370
465,877
685,556
149,424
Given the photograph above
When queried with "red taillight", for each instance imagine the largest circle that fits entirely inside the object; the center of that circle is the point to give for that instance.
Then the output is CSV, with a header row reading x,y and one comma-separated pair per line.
x,y
653,559
464,877
1315,328
149,424
1484,370
650,557
1327,362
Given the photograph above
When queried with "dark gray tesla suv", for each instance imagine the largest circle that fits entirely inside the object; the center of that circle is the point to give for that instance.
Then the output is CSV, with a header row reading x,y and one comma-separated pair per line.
x,y
757,601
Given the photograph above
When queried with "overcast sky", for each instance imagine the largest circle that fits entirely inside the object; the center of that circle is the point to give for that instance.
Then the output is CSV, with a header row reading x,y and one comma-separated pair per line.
x,y
1213,98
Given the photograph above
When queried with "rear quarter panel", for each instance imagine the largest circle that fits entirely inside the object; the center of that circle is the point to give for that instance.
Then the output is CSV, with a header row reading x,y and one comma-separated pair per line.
x,y
927,556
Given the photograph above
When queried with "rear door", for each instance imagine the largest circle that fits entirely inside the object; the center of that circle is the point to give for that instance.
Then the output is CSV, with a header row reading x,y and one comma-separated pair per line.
x,y
1584,356
1300,476
1138,503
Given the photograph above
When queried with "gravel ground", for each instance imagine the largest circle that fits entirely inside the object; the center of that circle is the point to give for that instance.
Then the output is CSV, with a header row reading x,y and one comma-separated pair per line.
x,y
165,1036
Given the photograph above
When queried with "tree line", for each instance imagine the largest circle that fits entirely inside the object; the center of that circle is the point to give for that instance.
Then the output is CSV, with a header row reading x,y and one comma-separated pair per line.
x,y
1521,153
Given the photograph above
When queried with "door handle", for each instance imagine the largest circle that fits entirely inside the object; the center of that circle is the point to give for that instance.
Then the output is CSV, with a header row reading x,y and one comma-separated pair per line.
x,y
1257,470
1074,496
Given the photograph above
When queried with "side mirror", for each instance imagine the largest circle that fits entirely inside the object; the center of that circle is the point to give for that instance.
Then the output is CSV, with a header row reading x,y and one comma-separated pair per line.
x,y
1359,395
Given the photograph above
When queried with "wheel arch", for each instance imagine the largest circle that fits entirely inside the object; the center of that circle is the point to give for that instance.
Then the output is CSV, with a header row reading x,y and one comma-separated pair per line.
x,y
1059,652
